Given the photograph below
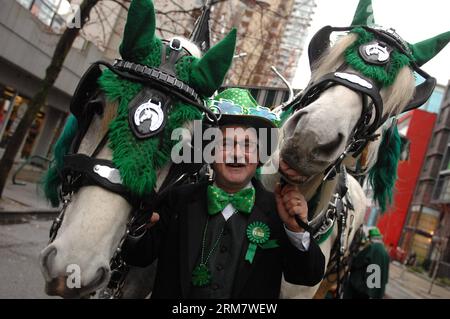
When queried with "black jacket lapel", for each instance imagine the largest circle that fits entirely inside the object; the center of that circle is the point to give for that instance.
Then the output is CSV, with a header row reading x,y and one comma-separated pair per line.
x,y
192,222
258,214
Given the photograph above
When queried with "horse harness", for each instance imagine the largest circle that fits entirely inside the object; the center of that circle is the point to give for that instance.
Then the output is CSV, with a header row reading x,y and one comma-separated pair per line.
x,y
82,170
376,52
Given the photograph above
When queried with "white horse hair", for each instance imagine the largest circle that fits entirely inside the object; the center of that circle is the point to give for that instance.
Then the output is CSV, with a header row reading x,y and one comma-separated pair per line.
x,y
93,225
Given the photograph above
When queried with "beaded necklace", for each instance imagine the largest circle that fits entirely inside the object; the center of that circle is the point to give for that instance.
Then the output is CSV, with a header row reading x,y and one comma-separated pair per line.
x,y
201,275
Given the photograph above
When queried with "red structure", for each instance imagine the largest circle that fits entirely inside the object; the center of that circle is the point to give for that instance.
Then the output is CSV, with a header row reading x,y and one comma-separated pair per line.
x,y
418,127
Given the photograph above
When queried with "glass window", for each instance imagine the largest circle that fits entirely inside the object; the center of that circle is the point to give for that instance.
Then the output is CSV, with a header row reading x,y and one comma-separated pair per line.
x,y
270,98
49,12
439,185
26,3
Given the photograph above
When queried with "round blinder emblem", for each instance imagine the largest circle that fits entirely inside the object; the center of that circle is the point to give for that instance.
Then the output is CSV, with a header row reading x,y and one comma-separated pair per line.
x,y
147,113
148,117
375,52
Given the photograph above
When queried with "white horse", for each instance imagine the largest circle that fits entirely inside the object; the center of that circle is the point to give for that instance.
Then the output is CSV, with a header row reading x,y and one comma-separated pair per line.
x,y
103,196
356,85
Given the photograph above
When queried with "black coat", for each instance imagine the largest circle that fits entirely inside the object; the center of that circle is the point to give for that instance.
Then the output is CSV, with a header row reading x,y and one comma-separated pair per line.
x,y
176,239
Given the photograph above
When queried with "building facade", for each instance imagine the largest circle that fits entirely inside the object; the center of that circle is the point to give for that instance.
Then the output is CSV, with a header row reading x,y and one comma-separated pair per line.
x,y
417,126
270,33
29,30
428,223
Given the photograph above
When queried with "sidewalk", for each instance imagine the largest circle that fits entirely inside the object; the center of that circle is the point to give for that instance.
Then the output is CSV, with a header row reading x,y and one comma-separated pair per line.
x,y
404,284
21,201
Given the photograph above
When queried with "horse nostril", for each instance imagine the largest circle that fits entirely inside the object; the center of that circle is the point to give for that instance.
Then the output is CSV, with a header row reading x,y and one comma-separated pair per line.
x,y
328,149
293,123
44,260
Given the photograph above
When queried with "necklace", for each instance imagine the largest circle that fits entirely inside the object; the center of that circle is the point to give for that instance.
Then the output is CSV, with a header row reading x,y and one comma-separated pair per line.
x,y
201,275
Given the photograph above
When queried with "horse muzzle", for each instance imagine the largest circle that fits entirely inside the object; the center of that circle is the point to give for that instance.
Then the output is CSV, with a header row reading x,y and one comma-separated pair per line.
x,y
70,281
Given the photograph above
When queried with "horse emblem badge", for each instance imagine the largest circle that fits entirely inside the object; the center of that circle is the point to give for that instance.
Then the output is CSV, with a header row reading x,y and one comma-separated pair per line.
x,y
147,119
149,111
375,52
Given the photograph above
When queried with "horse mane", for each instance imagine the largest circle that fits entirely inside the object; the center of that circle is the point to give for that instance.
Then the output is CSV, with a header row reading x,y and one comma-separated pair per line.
x,y
51,180
383,174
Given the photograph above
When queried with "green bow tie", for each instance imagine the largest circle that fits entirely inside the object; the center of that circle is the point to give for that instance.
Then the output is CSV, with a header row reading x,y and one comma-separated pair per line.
x,y
217,200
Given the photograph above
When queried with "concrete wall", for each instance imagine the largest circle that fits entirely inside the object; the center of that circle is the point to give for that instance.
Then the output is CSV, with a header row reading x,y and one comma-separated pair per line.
x,y
26,49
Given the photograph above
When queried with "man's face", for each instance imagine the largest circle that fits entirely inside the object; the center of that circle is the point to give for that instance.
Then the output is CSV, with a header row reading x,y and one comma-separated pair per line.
x,y
236,157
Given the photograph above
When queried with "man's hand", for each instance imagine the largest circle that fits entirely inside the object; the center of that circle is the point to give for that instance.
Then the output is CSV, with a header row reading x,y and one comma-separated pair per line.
x,y
153,220
290,202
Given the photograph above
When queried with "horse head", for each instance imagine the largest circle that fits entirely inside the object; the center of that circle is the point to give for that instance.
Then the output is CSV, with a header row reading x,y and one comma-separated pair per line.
x,y
357,84
113,157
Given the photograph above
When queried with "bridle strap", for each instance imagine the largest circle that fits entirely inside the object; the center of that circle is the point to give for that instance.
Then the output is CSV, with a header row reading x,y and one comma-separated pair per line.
x,y
161,80
92,171
320,42
353,81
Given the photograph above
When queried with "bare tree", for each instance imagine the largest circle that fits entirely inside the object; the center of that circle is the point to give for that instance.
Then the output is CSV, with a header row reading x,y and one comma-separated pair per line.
x,y
39,99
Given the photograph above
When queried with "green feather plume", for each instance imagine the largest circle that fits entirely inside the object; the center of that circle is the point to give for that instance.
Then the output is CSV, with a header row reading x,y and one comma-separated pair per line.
x,y
383,174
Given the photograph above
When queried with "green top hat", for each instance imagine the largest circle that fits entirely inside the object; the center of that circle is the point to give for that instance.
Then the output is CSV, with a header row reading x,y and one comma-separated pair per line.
x,y
237,106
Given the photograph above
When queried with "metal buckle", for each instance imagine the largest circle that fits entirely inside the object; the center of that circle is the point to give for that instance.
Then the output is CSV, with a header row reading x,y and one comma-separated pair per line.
x,y
139,68
171,80
154,74
218,115
162,76
175,44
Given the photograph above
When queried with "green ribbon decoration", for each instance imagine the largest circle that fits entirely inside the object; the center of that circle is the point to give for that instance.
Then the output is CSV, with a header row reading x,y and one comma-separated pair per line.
x,y
258,234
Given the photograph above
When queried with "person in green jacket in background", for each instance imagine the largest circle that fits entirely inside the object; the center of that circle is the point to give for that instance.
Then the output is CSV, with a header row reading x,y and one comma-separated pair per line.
x,y
369,271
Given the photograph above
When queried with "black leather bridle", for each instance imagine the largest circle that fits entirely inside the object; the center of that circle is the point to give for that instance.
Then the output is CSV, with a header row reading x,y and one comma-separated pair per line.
x,y
83,170
372,116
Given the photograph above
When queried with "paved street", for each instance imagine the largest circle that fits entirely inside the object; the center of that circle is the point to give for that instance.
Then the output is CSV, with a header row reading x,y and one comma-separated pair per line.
x,y
20,276
20,245
408,285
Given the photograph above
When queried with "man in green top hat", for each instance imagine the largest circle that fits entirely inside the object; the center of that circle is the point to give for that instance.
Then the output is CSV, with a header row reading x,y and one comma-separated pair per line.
x,y
369,271
229,237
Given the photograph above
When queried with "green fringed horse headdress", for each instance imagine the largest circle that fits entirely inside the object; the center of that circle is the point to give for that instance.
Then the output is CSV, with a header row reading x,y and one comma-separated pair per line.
x,y
158,86
379,53
387,58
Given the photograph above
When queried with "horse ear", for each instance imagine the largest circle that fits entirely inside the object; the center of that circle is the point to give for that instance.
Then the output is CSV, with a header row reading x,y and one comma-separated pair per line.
x,y
207,73
426,50
383,174
139,30
363,14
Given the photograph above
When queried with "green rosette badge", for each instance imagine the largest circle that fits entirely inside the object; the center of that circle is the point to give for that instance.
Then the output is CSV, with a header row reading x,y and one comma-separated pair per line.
x,y
258,234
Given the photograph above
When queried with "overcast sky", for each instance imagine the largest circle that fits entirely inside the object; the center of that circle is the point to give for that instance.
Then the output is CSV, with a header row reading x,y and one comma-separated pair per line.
x,y
414,20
